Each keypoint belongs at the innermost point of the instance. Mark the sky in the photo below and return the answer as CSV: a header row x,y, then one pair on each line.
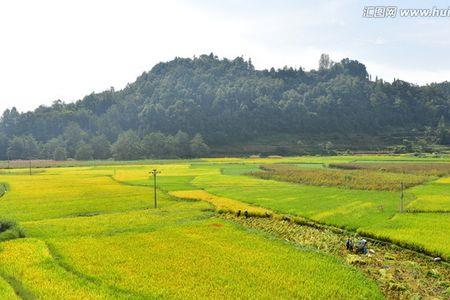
x,y
60,49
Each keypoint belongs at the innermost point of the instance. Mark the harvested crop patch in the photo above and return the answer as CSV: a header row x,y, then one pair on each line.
x,y
354,178
419,168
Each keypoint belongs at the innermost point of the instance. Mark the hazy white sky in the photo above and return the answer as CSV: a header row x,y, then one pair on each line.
x,y
54,49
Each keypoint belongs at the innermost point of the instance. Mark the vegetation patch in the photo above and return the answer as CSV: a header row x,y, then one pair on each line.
x,y
349,178
3,189
10,230
427,169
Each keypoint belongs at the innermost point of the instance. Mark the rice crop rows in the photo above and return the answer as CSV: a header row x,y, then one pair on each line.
x,y
420,168
353,179
91,233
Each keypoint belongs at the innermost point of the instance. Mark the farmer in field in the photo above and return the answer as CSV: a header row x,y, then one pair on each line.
x,y
361,246
349,244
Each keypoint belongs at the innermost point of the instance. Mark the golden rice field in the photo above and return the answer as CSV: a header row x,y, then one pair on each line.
x,y
88,236
221,203
91,232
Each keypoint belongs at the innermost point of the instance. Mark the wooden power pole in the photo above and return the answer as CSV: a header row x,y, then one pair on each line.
x,y
401,198
154,172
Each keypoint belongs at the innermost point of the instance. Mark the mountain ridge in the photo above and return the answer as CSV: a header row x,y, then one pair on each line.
x,y
230,102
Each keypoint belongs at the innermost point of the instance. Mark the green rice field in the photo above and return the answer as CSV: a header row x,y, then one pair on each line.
x,y
91,232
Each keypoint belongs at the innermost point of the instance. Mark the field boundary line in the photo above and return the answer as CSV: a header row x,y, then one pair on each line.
x,y
419,211
17,287
126,183
68,268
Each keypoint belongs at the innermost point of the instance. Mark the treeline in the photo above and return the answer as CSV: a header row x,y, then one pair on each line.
x,y
75,143
229,102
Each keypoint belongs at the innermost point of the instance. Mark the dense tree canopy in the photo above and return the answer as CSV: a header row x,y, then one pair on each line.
x,y
181,106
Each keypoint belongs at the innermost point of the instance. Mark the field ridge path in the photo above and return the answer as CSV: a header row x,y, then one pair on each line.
x,y
68,268
17,287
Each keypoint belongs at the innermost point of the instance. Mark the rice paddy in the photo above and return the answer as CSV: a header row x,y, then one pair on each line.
x,y
354,178
91,232
419,168
221,203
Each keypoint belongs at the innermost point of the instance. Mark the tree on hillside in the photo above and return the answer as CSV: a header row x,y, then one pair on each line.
x,y
198,146
442,132
3,146
31,147
23,147
127,147
48,149
9,121
60,154
181,145
325,62
154,145
16,148
73,135
101,147
84,152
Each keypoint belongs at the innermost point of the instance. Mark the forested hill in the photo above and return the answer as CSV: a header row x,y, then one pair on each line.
x,y
220,102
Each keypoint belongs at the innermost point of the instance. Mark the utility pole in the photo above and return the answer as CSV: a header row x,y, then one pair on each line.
x,y
401,198
30,166
154,173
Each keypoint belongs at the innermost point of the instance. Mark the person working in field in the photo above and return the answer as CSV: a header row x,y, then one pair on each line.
x,y
361,246
349,244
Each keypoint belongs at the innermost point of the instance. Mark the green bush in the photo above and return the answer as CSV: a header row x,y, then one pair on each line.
x,y
10,230
3,189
